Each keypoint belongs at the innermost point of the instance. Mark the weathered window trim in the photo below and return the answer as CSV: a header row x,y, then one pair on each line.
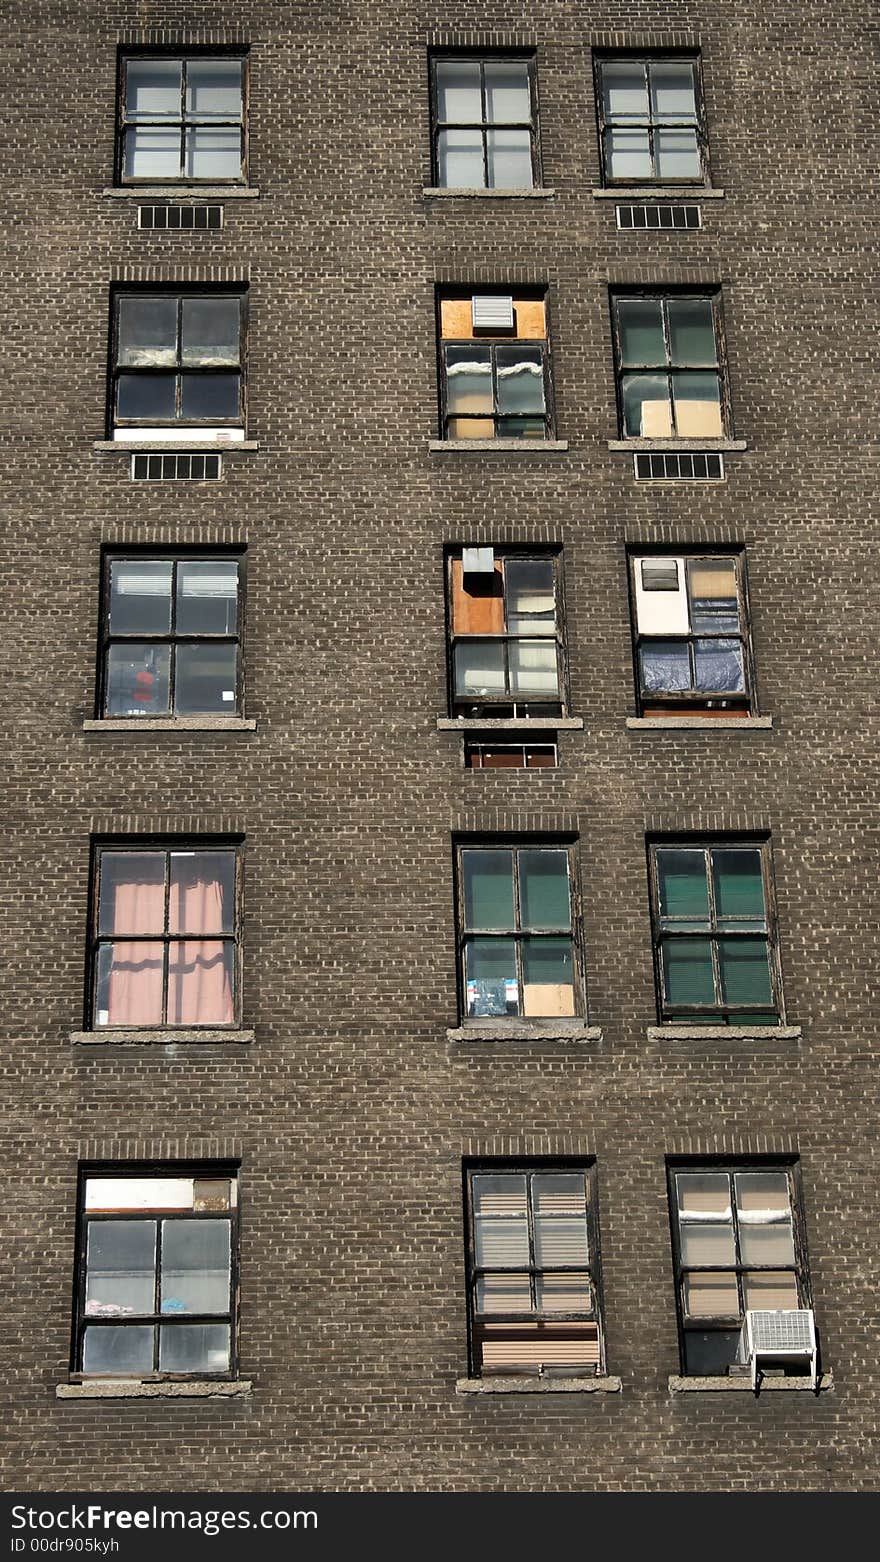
x,y
674,441
540,713
499,441
184,182
212,429
646,58
481,56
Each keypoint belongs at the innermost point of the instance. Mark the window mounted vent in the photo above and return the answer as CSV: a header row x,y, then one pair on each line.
x,y
780,1335
165,468
490,312
705,466
659,217
180,217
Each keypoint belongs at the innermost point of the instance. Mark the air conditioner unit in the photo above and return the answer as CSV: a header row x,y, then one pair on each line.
x,y
782,1335
492,312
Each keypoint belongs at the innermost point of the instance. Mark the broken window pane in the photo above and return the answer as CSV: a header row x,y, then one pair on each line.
x,y
530,596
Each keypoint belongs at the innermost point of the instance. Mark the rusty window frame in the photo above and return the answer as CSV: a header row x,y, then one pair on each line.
x,y
482,58
694,700
178,368
485,339
185,56
626,57
145,1170
670,366
547,709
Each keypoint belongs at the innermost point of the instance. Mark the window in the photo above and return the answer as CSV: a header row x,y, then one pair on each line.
x,y
181,120
177,365
156,1275
488,755
651,125
738,1246
505,633
517,932
165,935
484,115
534,1296
494,367
170,635
670,383
714,936
692,648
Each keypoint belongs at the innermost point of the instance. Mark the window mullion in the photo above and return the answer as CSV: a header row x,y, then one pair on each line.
x,y
533,1272
166,939
517,919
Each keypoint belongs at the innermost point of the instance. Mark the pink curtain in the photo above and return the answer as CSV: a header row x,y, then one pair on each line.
x,y
200,969
134,991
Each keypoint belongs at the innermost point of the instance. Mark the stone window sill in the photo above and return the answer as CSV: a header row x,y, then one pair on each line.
x,y
743,1385
134,724
534,193
699,723
182,192
177,1036
510,724
178,447
498,447
719,442
659,192
134,1388
536,1385
525,1030
756,1033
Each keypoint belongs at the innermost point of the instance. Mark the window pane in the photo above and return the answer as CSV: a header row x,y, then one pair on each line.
x,y
520,374
745,971
137,680
210,330
147,333
543,889
647,413
530,597
707,1244
739,886
213,152
640,326
131,895
687,971
200,983
666,667
624,90
490,977
762,1196
766,1244
194,1347
152,89
677,153
501,1227
548,979
479,667
509,159
697,400
468,379
488,888
773,1290
718,667
711,1295
522,428
140,596
120,1268
118,1351
712,593
205,680
507,92
207,596
213,89
201,897
628,154
570,1293
459,95
129,984
681,880
703,1195
145,396
692,331
672,90
195,1266
152,152
460,159
210,395
560,1220
116,1193
533,668
503,1294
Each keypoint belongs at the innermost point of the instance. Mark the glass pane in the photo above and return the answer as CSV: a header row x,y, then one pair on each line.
x,y
697,399
488,888
131,897
504,1294
507,92
490,977
530,597
548,978
145,396
739,886
479,667
640,326
195,1266
707,1244
201,895
628,154
533,668
712,1294
207,596
560,1218
712,593
213,89
152,152
624,89
201,978
501,1227
205,680
509,159
672,90
718,667
681,879
459,94
762,1196
692,331
120,1268
647,413
116,1193
522,428
129,984
140,596
769,1244
460,160
152,89
687,971
677,154
468,379
147,333
703,1195
213,152
194,1347
210,395
137,680
114,1352
774,1290
543,889
570,1293
210,329
519,372
665,666
745,971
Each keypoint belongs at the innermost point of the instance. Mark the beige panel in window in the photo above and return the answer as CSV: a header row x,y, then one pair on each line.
x,y
711,1295
656,420
713,579
530,319
470,428
547,999
698,419
478,607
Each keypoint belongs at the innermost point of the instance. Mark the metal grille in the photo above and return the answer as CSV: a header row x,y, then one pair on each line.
x,y
673,465
163,468
782,1331
177,217
660,217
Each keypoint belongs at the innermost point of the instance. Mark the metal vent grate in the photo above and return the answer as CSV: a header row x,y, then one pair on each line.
x,y
782,1331
165,468
659,217
176,217
704,466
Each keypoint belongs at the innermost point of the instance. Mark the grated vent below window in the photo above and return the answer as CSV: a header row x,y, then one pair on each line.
x,y
659,217
178,217
163,468
685,465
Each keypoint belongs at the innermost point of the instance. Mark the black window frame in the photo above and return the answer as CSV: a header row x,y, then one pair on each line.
x,y
731,1165
494,341
530,1167
185,54
665,294
529,58
176,556
168,845
209,1171
694,701
647,58
720,1012
180,292
492,706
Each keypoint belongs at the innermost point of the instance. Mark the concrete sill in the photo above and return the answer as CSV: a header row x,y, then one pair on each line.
x,y
743,1385
699,723
757,1033
171,1037
177,447
719,443
657,192
498,447
152,724
535,1385
182,192
133,1388
539,193
510,724
525,1030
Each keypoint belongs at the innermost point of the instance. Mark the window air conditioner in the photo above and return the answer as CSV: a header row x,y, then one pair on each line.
x,y
781,1336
